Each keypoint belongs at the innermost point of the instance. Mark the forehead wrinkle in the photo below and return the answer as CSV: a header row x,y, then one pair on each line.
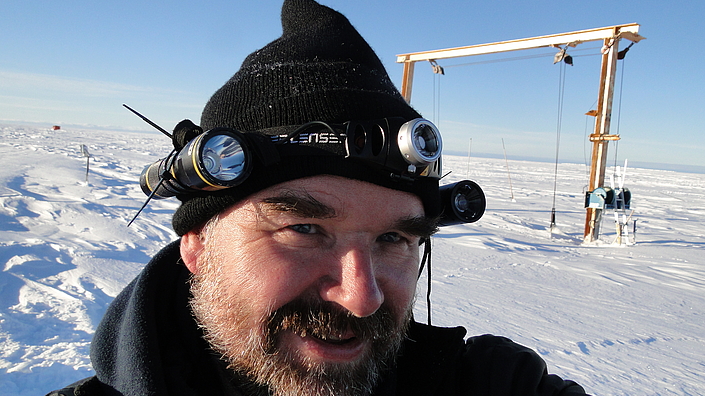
x,y
298,203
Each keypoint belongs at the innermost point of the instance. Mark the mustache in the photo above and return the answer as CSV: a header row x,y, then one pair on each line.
x,y
324,319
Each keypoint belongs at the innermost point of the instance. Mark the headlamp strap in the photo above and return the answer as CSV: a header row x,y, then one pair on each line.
x,y
265,151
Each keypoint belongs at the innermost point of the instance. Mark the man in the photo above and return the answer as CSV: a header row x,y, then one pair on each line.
x,y
301,220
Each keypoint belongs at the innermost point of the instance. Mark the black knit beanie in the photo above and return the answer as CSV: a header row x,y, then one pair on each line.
x,y
320,69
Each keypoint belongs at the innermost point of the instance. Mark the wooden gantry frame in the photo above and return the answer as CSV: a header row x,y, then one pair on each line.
x,y
610,36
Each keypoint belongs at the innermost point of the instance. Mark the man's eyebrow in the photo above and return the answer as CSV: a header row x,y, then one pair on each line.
x,y
421,226
299,204
303,205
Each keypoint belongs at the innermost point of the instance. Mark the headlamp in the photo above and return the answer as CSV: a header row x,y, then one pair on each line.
x,y
419,142
461,202
217,159
223,158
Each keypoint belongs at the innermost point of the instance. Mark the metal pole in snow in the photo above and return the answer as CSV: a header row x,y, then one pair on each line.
x,y
84,151
511,191
469,150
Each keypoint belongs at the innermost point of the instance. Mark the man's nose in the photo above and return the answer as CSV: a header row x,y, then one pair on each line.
x,y
353,284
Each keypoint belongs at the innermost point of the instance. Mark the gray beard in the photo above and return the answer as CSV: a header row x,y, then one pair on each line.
x,y
252,353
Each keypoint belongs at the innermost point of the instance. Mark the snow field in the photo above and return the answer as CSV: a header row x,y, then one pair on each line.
x,y
620,320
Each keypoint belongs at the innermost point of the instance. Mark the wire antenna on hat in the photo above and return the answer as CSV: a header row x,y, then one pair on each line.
x,y
147,120
163,176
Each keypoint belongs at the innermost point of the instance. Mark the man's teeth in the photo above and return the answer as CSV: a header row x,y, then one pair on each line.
x,y
331,338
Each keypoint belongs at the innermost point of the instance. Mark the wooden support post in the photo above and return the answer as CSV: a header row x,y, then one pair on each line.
x,y
602,136
407,80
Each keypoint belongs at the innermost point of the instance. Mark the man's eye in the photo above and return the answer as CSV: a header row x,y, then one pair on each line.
x,y
303,228
390,237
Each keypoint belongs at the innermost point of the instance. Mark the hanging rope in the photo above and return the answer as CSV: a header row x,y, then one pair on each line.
x,y
436,99
433,100
426,259
561,94
438,111
437,73
619,104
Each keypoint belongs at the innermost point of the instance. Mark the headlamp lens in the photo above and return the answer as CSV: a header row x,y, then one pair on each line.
x,y
216,159
223,158
420,142
462,202
426,141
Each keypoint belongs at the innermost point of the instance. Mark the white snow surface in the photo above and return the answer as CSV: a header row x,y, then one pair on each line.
x,y
619,320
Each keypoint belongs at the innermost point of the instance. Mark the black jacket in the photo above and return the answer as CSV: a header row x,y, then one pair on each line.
x,y
148,344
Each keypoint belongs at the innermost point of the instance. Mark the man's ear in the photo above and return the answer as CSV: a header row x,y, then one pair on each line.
x,y
191,248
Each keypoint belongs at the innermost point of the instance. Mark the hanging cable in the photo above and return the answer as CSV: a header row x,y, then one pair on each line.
x,y
433,100
438,113
619,104
561,92
437,71
437,94
436,98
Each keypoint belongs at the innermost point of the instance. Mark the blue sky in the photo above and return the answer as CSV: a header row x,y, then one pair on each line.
x,y
76,62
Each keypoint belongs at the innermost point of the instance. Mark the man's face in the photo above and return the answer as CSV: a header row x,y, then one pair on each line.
x,y
307,287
